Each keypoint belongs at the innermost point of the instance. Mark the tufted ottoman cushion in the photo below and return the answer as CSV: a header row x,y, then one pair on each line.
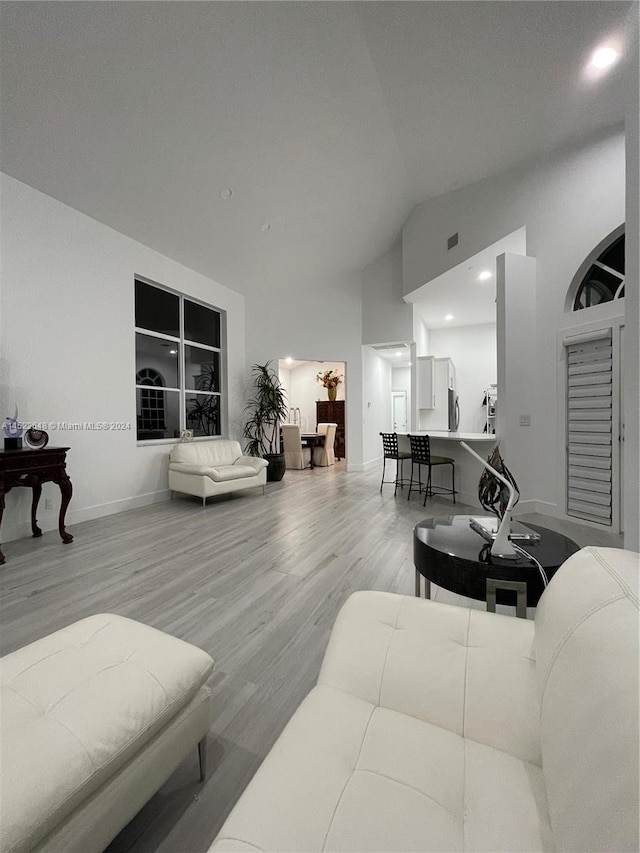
x,y
77,707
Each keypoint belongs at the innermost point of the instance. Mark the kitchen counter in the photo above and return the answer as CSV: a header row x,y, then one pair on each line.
x,y
453,436
468,469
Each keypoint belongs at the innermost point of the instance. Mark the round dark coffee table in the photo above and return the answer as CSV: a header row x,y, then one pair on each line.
x,y
449,553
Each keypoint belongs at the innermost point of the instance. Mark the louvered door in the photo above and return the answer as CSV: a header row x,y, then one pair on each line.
x,y
590,429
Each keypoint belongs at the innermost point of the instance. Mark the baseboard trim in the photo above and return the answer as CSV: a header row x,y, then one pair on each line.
x,y
22,529
363,467
542,507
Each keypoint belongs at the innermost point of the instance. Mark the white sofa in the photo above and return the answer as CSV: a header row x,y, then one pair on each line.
x,y
213,467
436,728
93,720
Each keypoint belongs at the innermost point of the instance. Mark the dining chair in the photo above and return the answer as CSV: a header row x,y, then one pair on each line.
x,y
321,429
390,451
295,455
324,456
421,455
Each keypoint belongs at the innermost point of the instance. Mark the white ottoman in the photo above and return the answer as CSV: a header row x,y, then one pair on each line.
x,y
94,720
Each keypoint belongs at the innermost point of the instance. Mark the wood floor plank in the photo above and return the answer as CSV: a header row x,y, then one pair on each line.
x,y
255,580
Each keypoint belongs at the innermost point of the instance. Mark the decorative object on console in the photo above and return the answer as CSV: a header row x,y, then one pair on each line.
x,y
13,432
266,410
330,380
36,438
494,498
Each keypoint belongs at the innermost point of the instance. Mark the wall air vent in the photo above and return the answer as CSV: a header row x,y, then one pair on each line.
x,y
390,347
452,241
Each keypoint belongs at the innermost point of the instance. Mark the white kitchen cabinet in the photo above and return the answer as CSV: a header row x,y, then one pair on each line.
x,y
425,375
444,380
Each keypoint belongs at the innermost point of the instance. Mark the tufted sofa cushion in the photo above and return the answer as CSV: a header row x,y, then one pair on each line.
x,y
421,735
588,665
208,453
437,728
76,706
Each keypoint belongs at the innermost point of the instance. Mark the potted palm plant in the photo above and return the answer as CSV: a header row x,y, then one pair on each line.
x,y
266,408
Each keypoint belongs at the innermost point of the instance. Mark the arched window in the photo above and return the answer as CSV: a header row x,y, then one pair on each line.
x,y
604,279
151,412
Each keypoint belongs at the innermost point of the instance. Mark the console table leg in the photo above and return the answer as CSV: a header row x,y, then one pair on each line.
x,y
35,499
66,490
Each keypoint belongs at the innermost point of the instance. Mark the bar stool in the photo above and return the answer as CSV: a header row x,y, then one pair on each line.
x,y
390,451
421,455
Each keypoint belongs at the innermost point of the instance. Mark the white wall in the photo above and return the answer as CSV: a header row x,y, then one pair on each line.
x,y
303,390
632,330
420,335
386,318
377,403
68,349
568,203
473,352
517,368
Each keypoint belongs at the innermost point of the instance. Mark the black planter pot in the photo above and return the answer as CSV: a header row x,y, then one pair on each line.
x,y
276,469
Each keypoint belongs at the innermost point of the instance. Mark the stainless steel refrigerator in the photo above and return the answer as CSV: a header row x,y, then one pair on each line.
x,y
454,411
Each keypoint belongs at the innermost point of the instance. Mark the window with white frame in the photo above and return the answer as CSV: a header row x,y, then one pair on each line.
x,y
604,280
178,364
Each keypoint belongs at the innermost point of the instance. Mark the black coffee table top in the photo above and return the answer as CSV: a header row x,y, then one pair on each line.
x,y
448,552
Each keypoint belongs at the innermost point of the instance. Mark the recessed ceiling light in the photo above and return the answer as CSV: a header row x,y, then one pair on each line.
x,y
289,360
449,317
484,275
604,57
265,226
398,354
226,193
173,352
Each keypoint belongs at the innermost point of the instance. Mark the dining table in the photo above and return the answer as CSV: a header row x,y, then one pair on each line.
x,y
313,439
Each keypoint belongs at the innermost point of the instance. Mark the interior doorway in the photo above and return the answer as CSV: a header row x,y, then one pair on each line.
x,y
308,400
399,411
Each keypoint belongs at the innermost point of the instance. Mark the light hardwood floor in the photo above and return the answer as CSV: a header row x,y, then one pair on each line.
x,y
255,580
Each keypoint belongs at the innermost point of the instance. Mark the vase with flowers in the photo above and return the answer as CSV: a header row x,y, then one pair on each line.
x,y
330,380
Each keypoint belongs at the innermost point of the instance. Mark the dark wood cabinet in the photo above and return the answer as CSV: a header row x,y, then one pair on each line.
x,y
332,412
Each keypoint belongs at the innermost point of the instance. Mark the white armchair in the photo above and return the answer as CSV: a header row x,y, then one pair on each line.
x,y
324,456
295,455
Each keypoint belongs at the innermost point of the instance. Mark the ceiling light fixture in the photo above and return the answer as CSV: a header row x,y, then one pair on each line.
x,y
226,193
289,360
604,57
398,354
449,317
484,275
265,226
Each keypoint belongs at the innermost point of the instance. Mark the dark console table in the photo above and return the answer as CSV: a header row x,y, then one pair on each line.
x,y
33,468
449,553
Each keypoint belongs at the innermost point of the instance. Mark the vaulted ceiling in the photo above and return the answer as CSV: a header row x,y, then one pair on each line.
x,y
328,121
